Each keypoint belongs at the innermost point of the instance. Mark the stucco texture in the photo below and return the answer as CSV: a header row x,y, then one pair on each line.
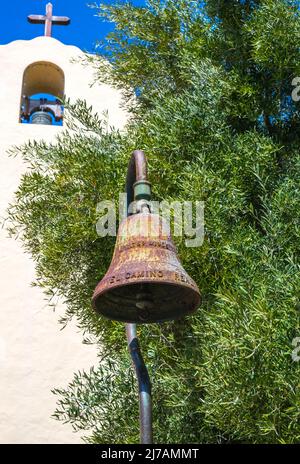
x,y
35,355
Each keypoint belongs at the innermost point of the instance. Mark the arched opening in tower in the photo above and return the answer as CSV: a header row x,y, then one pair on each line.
x,y
42,94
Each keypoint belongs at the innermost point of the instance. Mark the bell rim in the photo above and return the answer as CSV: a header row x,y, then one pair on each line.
x,y
174,316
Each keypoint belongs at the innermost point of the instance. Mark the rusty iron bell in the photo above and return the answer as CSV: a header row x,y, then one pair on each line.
x,y
145,281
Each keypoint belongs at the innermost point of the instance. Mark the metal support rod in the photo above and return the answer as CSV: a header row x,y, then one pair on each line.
x,y
137,174
144,385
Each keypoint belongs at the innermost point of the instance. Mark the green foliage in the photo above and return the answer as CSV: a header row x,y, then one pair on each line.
x,y
148,47
217,125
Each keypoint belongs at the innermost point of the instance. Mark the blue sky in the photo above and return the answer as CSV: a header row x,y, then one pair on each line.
x,y
85,28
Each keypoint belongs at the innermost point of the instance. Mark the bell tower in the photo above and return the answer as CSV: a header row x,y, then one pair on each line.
x,y
43,84
35,355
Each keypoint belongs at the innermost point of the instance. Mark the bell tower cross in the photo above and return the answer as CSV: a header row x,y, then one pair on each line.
x,y
48,19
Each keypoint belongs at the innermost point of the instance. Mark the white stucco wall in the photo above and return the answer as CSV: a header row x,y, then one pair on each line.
x,y
35,356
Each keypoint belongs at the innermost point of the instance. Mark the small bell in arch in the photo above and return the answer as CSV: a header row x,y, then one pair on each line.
x,y
41,117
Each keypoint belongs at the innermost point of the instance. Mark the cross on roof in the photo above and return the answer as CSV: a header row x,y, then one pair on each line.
x,y
49,19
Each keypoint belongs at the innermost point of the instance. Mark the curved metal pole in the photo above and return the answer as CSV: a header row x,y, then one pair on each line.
x,y
145,399
137,174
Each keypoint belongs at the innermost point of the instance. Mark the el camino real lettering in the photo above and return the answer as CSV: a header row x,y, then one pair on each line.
x,y
177,277
137,275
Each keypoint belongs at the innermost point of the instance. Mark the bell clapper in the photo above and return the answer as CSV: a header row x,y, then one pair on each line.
x,y
144,302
